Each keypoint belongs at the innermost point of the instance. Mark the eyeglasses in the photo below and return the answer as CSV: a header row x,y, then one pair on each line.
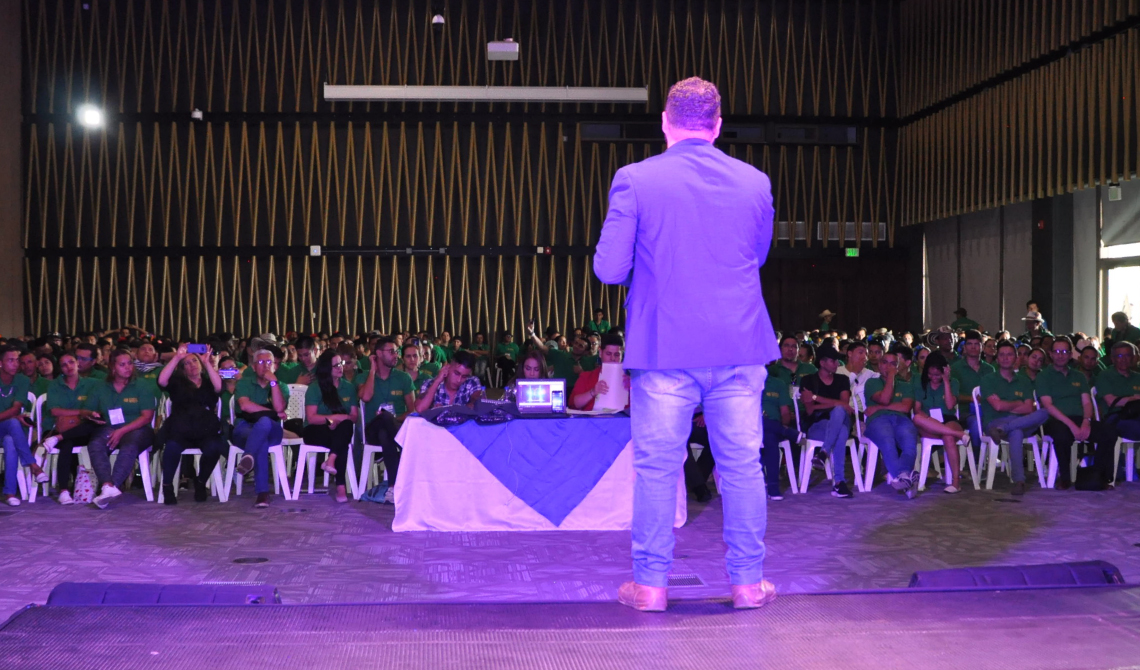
x,y
389,351
1126,355
263,362
339,364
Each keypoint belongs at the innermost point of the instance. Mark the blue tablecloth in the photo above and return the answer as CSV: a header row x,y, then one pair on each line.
x,y
550,464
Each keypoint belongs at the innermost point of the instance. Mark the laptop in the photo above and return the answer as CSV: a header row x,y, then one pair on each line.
x,y
541,398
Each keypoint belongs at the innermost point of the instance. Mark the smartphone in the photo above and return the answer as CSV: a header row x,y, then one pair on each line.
x,y
557,401
229,373
197,348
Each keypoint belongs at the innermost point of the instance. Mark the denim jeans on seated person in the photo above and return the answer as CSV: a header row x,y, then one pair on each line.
x,y
16,452
662,405
1017,427
255,439
130,446
833,432
897,440
774,433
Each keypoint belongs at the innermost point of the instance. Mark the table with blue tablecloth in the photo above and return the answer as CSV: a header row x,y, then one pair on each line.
x,y
525,474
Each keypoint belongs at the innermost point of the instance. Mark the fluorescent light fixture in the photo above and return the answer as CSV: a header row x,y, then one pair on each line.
x,y
89,116
335,93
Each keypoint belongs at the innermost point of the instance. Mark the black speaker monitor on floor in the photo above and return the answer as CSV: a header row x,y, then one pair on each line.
x,y
1087,573
110,593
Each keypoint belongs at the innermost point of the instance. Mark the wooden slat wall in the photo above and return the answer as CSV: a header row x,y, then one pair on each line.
x,y
153,187
1068,125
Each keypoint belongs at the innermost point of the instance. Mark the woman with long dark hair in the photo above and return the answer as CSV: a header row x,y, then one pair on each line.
x,y
331,410
532,366
124,407
938,393
193,422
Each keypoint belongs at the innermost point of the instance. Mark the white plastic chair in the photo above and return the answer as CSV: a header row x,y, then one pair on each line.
x,y
989,452
369,467
24,480
276,460
217,484
807,452
965,456
1128,446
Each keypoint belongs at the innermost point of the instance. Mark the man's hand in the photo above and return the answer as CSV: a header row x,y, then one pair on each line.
x,y
94,417
25,420
270,376
305,378
443,370
1083,431
994,401
282,415
601,389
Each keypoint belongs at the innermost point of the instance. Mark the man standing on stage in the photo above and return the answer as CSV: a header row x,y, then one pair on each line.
x,y
687,232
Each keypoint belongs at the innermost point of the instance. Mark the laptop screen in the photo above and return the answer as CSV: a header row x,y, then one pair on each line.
x,y
541,395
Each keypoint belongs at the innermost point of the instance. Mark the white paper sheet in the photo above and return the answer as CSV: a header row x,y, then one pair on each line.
x,y
616,396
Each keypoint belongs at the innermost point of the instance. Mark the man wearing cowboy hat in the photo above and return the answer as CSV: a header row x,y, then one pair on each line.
x,y
1034,326
827,315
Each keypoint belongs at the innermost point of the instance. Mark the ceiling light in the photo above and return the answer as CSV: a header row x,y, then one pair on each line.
x,y
89,116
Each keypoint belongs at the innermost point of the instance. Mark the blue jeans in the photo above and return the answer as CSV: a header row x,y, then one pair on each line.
x,y
15,440
255,439
1016,427
833,433
662,405
896,439
774,433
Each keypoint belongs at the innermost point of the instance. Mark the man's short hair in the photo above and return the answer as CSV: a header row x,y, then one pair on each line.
x,y
903,350
1119,316
6,348
265,350
381,341
1124,344
409,345
89,348
877,342
788,337
856,344
305,343
464,358
693,104
611,339
973,335
1005,343
1063,338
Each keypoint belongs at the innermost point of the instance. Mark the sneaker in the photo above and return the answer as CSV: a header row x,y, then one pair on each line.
x,y
900,483
777,496
817,462
951,489
41,476
12,500
390,496
65,498
911,493
328,467
109,493
262,501
841,490
244,465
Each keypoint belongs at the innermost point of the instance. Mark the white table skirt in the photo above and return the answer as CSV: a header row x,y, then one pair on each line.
x,y
442,487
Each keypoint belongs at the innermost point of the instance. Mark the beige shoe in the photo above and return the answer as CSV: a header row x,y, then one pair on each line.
x,y
643,598
751,596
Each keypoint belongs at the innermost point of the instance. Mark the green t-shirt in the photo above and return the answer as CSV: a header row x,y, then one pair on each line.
x,y
247,373
290,375
344,389
589,362
422,377
1064,389
96,373
1021,388
390,391
430,368
135,398
776,395
1110,382
965,324
600,328
503,349
62,396
562,366
790,378
442,354
903,389
935,398
19,389
967,378
249,388
1129,334
41,385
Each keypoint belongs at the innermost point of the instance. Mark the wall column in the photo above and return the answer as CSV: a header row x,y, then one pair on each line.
x,y
11,182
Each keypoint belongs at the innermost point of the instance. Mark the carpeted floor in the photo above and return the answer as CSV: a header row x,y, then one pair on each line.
x,y
321,552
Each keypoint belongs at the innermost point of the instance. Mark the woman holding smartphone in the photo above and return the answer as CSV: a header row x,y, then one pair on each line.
x,y
193,422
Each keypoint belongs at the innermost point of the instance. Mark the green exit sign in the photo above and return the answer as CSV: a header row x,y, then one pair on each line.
x,y
852,253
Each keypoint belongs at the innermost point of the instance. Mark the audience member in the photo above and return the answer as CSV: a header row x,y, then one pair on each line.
x,y
827,399
47,370
962,322
389,397
857,373
1064,394
935,412
968,371
305,371
63,415
890,398
1118,392
788,368
124,408
1008,412
454,385
259,407
1034,364
193,422
826,316
1089,362
590,385
599,325
1123,330
533,366
87,355
330,416
779,424
14,389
